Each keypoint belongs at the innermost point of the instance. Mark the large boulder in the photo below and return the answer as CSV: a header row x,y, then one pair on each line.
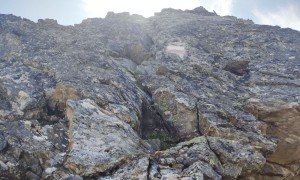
x,y
98,141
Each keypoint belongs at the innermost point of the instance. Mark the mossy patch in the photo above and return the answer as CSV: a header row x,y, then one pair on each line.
x,y
166,140
162,70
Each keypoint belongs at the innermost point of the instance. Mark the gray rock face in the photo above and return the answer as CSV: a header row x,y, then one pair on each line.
x,y
180,95
213,157
98,141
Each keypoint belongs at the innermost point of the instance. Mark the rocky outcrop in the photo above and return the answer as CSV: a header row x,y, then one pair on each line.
x,y
210,157
98,141
180,95
283,122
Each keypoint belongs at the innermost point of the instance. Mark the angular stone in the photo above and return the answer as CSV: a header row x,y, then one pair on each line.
x,y
179,112
275,169
234,156
136,169
98,140
283,122
199,169
214,157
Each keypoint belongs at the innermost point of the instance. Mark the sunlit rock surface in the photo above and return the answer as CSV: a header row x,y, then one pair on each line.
x,y
180,95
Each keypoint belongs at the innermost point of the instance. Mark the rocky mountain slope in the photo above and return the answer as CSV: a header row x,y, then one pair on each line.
x,y
180,95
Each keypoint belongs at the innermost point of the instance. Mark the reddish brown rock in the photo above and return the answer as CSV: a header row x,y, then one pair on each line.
x,y
283,119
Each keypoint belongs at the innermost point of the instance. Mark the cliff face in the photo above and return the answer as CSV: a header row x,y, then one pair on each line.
x,y
183,94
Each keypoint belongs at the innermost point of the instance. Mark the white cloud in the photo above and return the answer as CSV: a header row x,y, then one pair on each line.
x,y
99,8
287,16
222,7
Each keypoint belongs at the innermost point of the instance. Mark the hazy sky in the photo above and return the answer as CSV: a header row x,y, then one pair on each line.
x,y
285,13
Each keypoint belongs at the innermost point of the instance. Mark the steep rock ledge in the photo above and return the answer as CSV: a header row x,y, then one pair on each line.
x,y
182,94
